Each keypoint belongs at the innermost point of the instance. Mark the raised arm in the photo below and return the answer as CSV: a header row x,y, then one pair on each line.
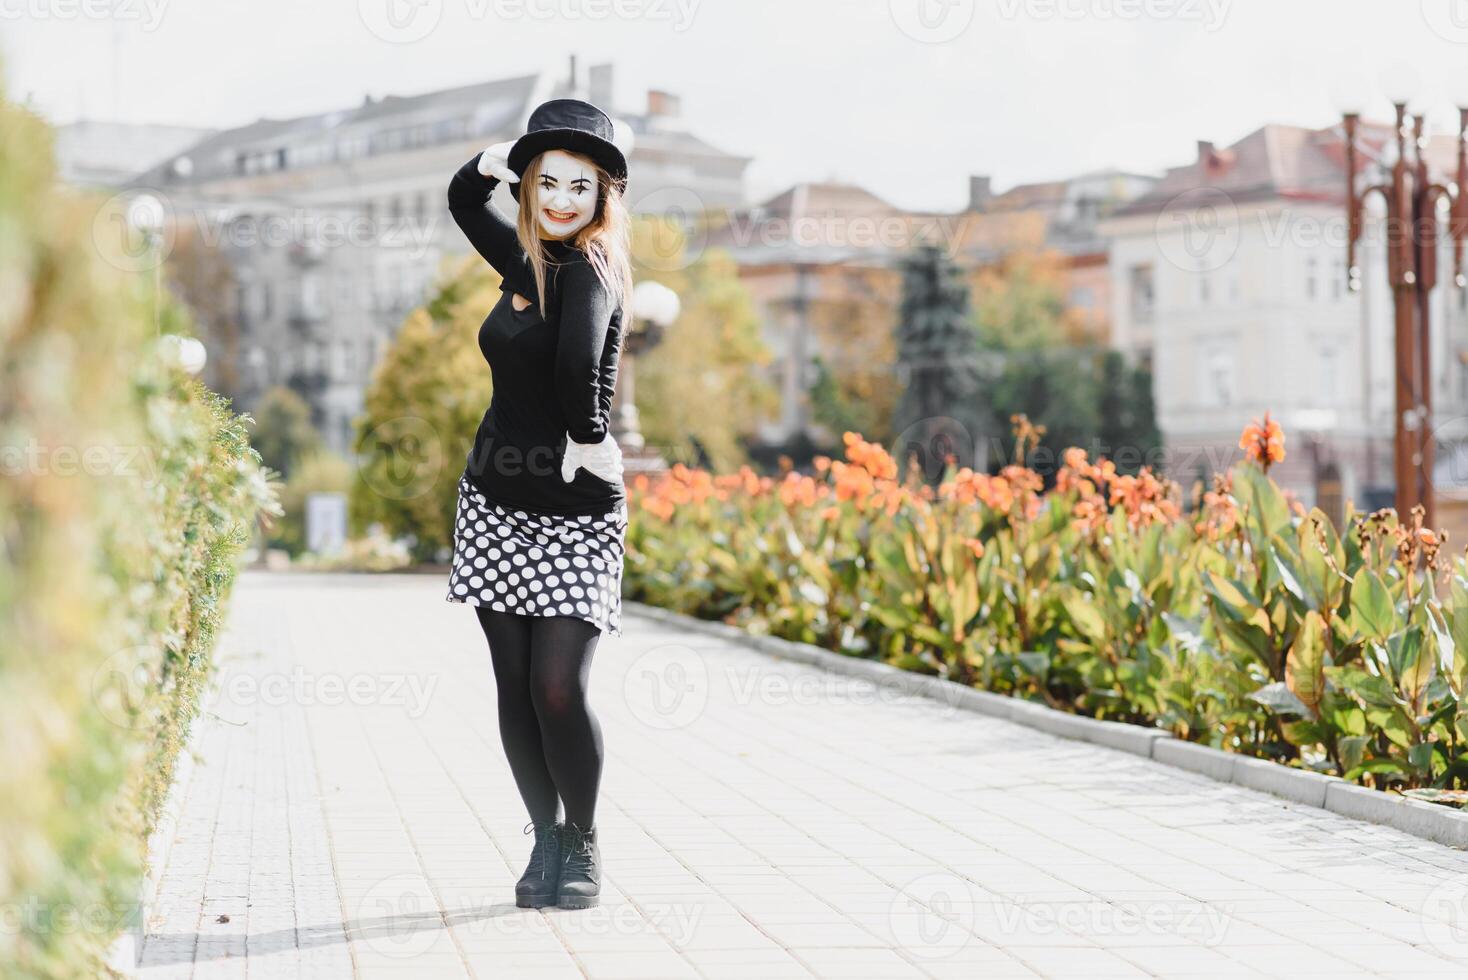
x,y
586,315
491,233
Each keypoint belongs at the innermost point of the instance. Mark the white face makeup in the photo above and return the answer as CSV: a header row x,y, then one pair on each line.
x,y
565,194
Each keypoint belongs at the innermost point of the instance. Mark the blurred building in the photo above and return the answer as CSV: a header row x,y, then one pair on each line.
x,y
351,203
820,258
813,249
104,155
1060,216
1229,278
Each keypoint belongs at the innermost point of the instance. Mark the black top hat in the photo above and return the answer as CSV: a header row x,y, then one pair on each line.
x,y
571,125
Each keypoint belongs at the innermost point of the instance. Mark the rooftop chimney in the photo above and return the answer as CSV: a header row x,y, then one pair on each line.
x,y
980,191
575,85
660,103
1212,160
599,86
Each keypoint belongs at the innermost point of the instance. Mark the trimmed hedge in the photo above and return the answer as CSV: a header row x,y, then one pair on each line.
x,y
128,490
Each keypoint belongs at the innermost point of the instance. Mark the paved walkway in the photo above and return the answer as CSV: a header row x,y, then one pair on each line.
x,y
353,815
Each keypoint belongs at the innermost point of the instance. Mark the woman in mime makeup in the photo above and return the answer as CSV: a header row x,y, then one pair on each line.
x,y
541,519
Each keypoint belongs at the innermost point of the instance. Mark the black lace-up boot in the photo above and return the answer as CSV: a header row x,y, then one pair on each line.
x,y
537,886
580,883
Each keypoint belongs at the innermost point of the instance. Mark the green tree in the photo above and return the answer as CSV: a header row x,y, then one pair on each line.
x,y
320,471
422,408
941,410
833,405
283,430
1019,304
1127,419
707,359
852,315
1050,369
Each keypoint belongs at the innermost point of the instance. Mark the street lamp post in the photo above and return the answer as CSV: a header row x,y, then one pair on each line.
x,y
1411,198
655,307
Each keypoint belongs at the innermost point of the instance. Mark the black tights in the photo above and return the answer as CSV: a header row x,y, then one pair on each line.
x,y
552,740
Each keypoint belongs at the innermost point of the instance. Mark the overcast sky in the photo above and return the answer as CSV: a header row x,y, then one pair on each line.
x,y
907,97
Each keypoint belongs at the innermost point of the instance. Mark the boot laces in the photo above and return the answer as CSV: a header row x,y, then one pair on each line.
x,y
579,856
547,846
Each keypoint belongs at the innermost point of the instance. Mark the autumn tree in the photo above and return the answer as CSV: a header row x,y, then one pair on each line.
x,y
700,387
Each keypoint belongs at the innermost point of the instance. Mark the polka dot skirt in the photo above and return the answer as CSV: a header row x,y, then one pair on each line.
x,y
538,564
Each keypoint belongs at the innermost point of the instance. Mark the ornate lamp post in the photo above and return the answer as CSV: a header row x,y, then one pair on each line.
x,y
145,215
1411,199
656,307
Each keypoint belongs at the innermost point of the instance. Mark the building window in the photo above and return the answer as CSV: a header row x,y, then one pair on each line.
x,y
1329,361
1141,293
1218,377
1338,279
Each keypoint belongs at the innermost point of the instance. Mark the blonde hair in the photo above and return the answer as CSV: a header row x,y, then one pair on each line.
x,y
606,240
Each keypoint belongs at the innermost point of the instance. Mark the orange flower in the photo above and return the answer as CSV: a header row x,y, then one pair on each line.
x,y
869,456
1263,442
1292,499
797,490
976,546
1220,515
1147,499
1075,473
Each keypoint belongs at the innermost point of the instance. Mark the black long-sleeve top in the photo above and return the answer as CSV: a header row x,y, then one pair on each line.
x,y
554,371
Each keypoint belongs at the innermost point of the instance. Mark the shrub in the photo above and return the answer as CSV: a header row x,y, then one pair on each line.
x,y
423,407
128,491
317,472
1251,625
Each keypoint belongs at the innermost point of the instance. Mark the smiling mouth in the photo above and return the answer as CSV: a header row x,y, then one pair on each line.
x,y
560,216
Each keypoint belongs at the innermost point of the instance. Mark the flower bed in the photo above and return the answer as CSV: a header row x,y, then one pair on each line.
x,y
1243,622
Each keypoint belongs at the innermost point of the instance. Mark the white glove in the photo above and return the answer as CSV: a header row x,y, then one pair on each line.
x,y
493,162
604,459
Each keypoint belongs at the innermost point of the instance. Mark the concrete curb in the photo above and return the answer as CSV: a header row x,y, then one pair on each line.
x,y
1427,820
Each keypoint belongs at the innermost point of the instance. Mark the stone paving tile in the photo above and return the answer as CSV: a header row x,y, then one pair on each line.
x,y
352,815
